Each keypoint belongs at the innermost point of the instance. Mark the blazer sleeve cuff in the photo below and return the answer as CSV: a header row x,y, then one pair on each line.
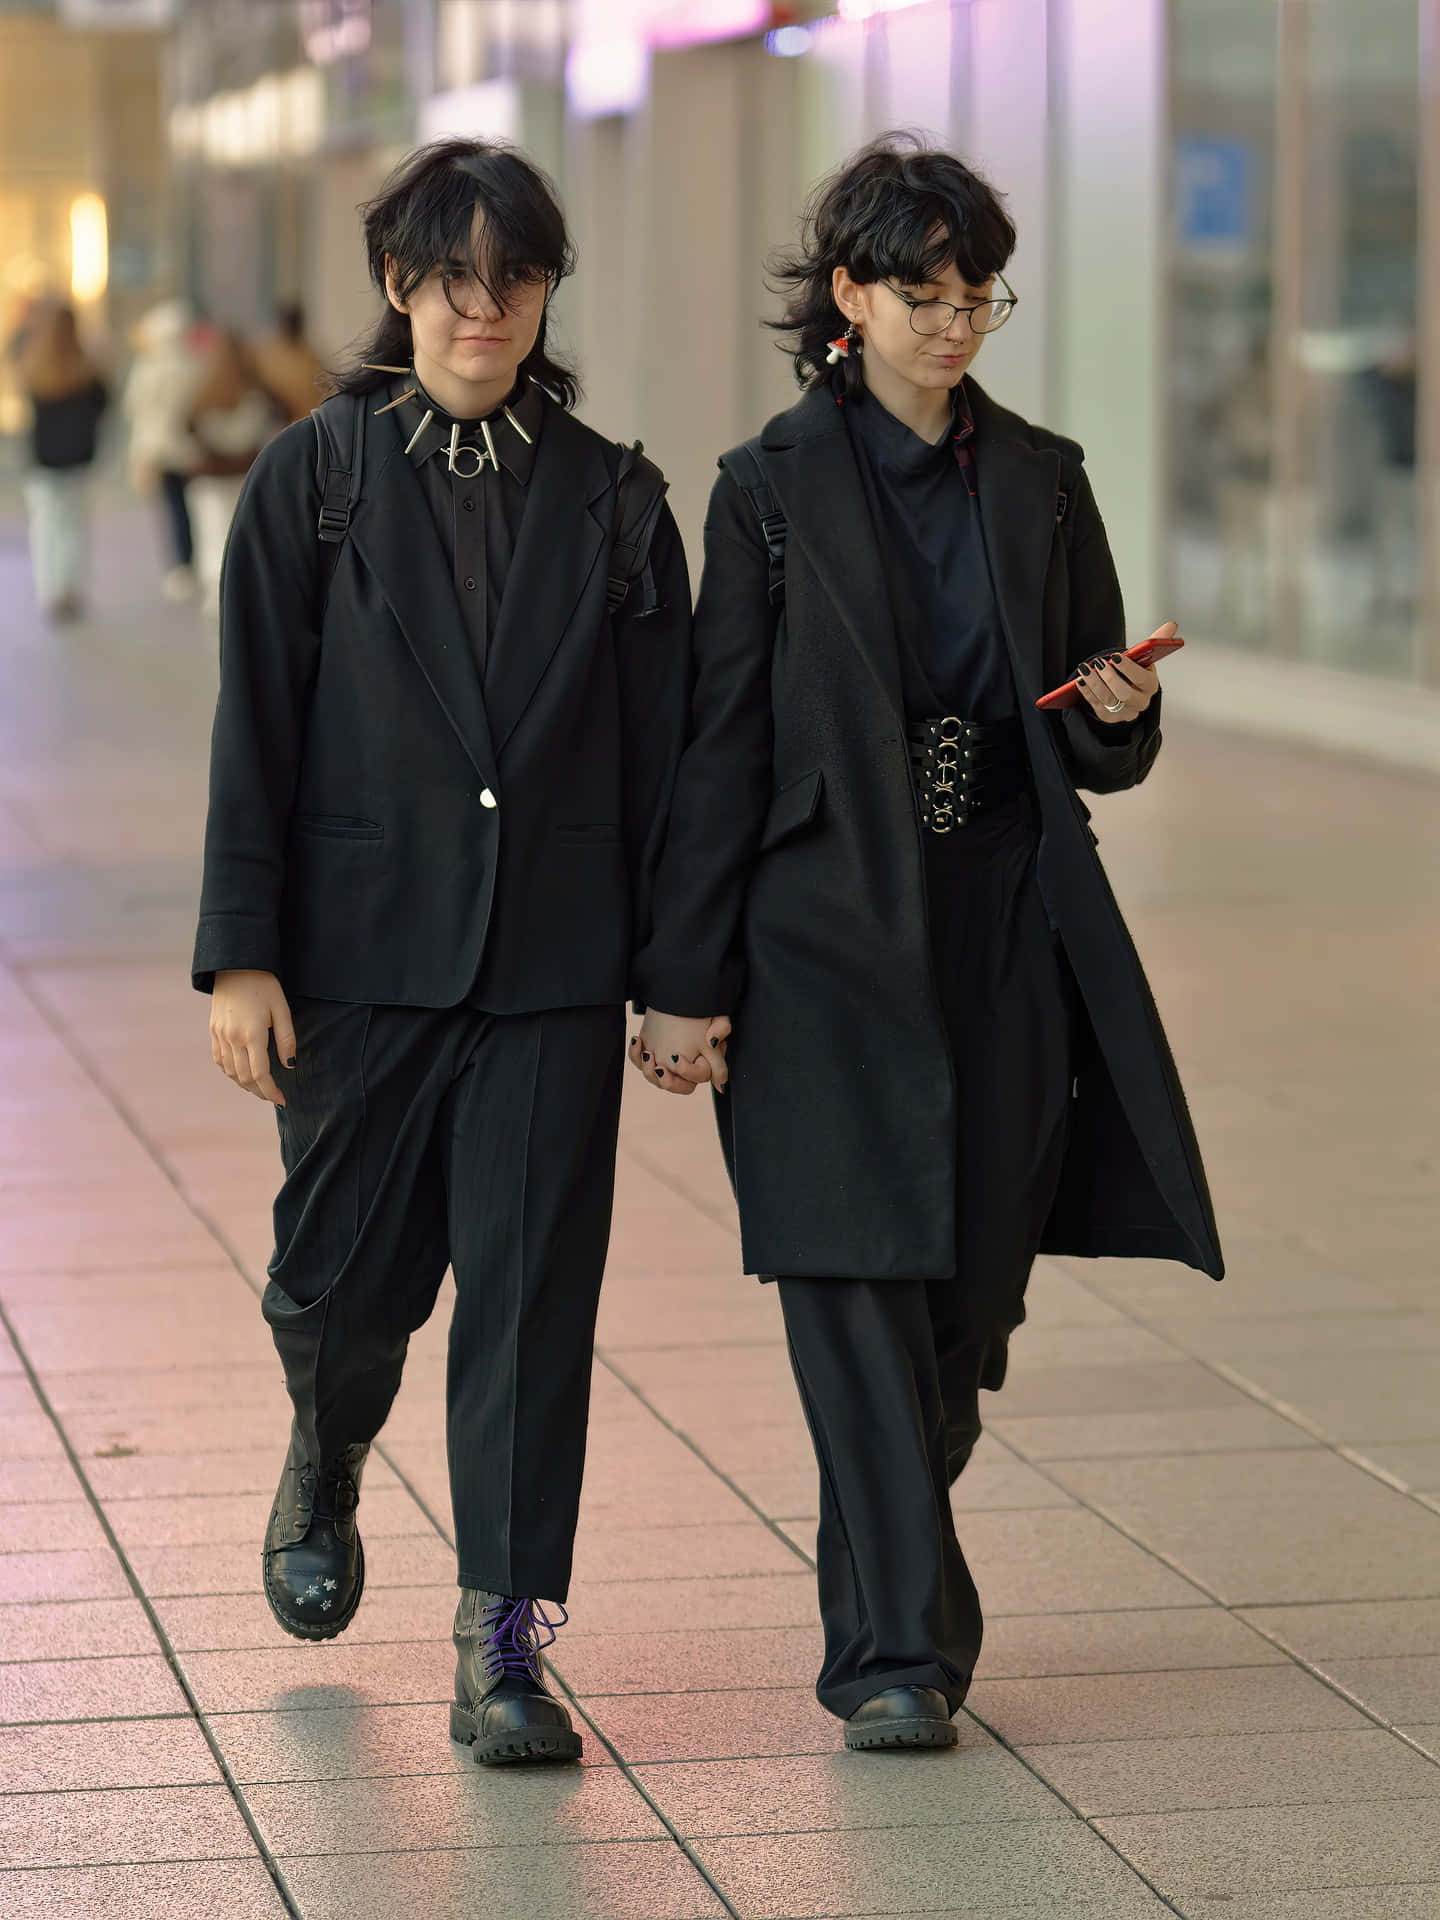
x,y
692,991
226,942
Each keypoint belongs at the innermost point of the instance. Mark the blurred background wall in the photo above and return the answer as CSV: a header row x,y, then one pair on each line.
x,y
1229,260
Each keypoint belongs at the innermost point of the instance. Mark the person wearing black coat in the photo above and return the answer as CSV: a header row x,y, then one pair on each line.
x,y
455,664
945,1058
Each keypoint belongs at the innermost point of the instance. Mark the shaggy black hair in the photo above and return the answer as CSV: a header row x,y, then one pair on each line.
x,y
897,210
422,218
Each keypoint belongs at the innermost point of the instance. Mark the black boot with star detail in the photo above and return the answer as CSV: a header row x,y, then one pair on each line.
x,y
314,1562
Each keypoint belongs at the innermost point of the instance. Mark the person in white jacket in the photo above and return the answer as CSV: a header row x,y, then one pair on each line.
x,y
158,396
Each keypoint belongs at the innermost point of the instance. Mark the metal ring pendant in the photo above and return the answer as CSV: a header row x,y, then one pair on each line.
x,y
464,447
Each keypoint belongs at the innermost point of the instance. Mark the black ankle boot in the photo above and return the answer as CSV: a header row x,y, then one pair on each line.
x,y
502,1707
314,1562
901,1717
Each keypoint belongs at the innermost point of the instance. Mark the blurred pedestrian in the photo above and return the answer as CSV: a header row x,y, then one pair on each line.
x,y
166,370
67,396
289,366
232,415
945,1055
454,669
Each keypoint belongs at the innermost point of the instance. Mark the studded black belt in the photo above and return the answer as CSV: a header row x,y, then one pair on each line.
x,y
960,768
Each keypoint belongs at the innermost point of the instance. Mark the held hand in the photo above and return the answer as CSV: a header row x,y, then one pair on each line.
x,y
1119,689
245,1008
676,1054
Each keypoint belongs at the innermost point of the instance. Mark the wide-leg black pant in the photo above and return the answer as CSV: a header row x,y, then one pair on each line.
x,y
416,1139
890,1371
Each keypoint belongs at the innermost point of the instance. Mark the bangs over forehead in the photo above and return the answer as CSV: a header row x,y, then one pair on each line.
x,y
518,237
914,230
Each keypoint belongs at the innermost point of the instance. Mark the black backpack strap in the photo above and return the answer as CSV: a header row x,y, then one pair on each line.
x,y
640,490
339,463
1070,463
744,463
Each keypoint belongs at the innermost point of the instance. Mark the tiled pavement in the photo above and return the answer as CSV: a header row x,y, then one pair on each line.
x,y
1206,1521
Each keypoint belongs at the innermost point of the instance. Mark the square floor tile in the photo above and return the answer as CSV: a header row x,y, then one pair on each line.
x,y
1269,1527
1253,1850
114,1753
334,1673
121,1688
689,1662
1050,1869
140,1823
625,1880
484,1807
1031,1645
193,1890
974,1785
75,1630
1236,1770
1128,1706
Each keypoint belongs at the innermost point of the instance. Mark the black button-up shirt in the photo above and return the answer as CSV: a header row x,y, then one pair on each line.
x,y
477,510
922,497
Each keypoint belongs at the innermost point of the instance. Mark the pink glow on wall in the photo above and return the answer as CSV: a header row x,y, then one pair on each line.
x,y
867,9
694,23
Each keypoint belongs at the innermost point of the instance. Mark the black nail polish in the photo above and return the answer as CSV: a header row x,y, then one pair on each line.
x,y
659,1073
644,1056
674,1059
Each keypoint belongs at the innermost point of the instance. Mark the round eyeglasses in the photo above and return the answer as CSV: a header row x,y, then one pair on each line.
x,y
938,316
466,292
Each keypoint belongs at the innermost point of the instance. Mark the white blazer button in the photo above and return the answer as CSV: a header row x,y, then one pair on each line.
x,y
487,799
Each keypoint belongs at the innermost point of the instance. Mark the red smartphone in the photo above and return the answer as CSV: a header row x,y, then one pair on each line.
x,y
1145,655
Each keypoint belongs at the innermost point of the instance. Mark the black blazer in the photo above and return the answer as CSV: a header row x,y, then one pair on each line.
x,y
792,890
352,846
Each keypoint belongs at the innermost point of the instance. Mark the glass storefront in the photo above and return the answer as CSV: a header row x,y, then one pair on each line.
x,y
1295,344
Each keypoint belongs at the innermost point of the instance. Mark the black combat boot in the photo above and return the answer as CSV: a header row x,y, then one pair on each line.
x,y
901,1717
313,1560
502,1707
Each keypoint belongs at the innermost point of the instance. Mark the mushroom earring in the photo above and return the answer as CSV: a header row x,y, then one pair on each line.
x,y
840,349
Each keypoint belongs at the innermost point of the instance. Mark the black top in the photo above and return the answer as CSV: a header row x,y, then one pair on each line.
x,y
952,647
477,510
66,429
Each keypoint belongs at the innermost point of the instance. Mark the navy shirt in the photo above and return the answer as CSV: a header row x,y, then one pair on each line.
x,y
953,658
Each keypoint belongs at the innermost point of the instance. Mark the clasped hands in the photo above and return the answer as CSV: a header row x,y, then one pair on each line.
x,y
677,1055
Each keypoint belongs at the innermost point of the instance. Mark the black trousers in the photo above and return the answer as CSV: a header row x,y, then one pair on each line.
x,y
177,519
890,1371
414,1140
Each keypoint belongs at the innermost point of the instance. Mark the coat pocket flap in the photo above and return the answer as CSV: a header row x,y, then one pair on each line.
x,y
792,808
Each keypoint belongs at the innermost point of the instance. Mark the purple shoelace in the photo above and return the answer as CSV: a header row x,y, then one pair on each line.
x,y
513,1637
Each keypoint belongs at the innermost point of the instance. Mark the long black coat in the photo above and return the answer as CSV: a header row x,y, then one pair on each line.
x,y
792,887
352,845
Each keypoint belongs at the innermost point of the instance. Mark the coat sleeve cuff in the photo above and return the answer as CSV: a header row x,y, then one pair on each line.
x,y
227,942
690,992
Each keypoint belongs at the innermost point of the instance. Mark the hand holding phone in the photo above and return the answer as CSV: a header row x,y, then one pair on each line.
x,y
1145,654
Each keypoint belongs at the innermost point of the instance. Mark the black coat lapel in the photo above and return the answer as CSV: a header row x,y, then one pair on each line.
x,y
562,535
812,467
1019,488
397,540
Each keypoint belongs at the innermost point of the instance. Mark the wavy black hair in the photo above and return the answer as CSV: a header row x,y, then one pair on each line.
x,y
423,217
896,210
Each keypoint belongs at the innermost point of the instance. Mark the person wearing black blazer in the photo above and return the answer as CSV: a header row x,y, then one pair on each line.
x,y
945,1056
455,664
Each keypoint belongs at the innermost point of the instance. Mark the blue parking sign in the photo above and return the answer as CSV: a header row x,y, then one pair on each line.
x,y
1214,190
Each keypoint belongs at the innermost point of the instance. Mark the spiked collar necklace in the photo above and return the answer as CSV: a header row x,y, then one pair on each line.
x,y
504,437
